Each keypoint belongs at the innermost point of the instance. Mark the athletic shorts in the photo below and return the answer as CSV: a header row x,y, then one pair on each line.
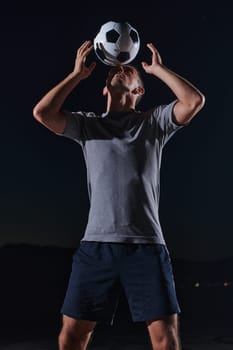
x,y
101,271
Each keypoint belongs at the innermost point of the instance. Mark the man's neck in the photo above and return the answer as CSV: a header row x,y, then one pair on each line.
x,y
119,102
120,106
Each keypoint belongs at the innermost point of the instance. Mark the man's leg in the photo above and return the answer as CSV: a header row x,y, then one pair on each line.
x,y
75,334
164,333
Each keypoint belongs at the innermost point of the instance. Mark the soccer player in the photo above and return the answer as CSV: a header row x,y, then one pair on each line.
x,y
123,246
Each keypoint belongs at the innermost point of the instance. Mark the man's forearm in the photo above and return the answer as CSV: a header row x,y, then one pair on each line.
x,y
52,102
183,89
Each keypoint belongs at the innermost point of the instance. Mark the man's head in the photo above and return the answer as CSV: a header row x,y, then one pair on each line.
x,y
124,79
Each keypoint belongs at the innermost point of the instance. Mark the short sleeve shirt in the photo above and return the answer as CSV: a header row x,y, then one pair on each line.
x,y
122,152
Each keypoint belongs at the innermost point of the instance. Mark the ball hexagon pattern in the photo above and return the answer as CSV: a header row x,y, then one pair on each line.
x,y
116,43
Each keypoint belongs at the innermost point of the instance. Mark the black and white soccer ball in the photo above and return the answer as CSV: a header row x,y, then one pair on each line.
x,y
116,43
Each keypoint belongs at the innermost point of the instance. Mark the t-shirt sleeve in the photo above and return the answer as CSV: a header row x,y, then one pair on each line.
x,y
74,126
166,124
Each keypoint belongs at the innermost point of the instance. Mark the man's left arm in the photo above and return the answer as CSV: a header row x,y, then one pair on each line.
x,y
190,99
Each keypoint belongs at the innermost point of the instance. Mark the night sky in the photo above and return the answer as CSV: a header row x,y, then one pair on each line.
x,y
44,197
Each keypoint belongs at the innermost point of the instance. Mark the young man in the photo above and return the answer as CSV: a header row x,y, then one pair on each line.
x,y
123,244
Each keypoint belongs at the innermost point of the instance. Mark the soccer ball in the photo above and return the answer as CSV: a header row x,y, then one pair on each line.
x,y
116,43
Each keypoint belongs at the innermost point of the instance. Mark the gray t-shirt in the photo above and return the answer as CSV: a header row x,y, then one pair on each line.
x,y
122,152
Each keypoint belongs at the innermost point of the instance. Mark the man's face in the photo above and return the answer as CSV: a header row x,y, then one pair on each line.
x,y
122,76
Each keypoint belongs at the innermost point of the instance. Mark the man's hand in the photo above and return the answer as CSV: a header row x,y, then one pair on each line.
x,y
80,68
190,99
155,61
48,110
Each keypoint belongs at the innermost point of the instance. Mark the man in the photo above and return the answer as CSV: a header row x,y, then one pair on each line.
x,y
123,244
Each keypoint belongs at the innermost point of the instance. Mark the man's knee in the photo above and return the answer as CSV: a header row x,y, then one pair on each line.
x,y
164,333
75,333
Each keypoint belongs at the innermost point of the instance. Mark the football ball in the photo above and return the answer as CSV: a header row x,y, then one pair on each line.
x,y
116,43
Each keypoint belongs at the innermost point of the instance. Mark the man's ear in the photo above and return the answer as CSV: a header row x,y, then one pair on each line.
x,y
138,90
105,91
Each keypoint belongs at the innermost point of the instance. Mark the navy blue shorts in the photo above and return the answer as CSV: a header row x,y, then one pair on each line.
x,y
101,271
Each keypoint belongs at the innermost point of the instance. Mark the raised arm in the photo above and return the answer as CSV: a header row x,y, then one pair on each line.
x,y
190,99
48,111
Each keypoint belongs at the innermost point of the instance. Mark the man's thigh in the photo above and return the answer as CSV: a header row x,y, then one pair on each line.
x,y
148,282
93,290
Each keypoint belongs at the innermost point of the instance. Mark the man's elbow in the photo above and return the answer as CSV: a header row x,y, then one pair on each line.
x,y
196,105
198,102
201,100
184,112
38,113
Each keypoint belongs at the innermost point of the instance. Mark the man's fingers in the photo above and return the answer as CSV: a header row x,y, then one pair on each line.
x,y
84,46
144,64
152,47
81,47
92,66
88,49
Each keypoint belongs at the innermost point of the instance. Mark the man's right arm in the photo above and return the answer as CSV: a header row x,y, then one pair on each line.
x,y
48,111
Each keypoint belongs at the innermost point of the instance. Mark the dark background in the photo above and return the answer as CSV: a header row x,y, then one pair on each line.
x,y
44,202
